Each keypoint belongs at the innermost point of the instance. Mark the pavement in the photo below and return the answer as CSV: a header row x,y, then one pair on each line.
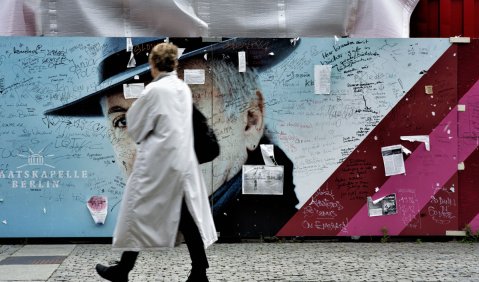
x,y
254,261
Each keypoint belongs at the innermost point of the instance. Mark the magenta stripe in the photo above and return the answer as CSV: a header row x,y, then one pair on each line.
x,y
426,171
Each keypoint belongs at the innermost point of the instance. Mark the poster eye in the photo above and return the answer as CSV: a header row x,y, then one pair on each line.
x,y
120,122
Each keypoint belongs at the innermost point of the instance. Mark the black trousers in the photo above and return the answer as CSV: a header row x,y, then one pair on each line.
x,y
192,238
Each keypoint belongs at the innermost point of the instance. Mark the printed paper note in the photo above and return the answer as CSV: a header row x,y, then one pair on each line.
x,y
322,79
194,76
393,160
133,90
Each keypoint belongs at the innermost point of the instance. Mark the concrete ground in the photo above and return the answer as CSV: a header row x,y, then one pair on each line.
x,y
279,261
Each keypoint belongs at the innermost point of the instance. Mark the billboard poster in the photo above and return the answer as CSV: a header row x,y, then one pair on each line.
x,y
316,100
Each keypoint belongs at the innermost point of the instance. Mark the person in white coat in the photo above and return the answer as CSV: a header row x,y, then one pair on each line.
x,y
165,192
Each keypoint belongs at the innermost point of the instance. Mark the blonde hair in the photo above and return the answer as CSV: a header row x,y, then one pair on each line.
x,y
164,57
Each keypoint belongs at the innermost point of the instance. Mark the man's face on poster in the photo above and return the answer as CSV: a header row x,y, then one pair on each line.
x,y
237,133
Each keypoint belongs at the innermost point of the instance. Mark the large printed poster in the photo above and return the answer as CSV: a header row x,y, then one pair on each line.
x,y
64,141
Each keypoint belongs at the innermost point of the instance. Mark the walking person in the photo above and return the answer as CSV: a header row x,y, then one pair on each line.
x,y
165,192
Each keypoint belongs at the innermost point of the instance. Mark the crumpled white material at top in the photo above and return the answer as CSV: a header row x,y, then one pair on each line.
x,y
383,18
207,18
16,18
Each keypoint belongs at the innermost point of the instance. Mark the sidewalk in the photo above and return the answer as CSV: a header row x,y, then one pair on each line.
x,y
307,261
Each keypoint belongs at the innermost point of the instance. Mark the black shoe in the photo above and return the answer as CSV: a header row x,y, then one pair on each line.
x,y
197,276
112,273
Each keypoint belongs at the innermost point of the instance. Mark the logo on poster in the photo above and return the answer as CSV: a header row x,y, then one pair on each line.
x,y
41,174
35,159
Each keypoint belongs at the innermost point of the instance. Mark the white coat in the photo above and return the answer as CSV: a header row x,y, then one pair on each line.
x,y
164,172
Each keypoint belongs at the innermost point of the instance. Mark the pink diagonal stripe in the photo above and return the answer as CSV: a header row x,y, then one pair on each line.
x,y
475,223
426,172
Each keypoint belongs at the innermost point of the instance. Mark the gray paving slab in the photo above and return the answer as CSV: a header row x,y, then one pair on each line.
x,y
27,272
308,261
8,250
45,250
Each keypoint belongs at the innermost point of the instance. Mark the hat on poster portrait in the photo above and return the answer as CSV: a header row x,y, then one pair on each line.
x,y
115,68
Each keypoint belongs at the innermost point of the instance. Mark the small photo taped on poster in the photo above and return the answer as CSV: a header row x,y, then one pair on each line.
x,y
382,206
263,180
